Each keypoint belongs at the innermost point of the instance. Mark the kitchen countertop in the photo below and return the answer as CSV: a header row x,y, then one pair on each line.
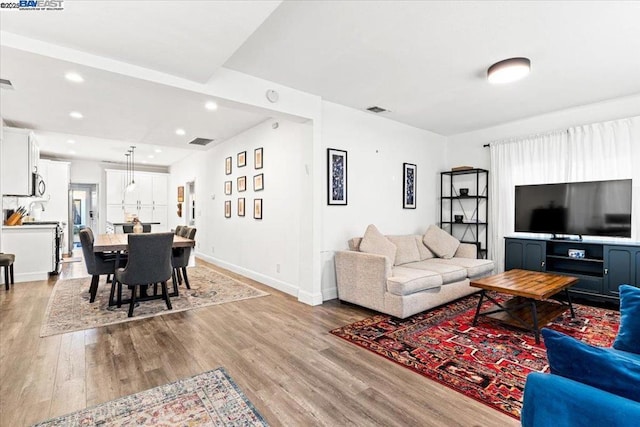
x,y
27,227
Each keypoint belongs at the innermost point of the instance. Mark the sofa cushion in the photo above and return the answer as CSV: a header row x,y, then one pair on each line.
x,y
475,267
614,371
628,338
440,242
424,251
373,242
449,273
405,281
407,250
354,243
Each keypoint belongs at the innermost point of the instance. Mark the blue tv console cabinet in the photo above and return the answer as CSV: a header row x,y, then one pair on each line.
x,y
605,266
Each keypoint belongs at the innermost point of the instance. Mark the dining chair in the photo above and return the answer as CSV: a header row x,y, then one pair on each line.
x,y
179,230
180,260
97,263
149,262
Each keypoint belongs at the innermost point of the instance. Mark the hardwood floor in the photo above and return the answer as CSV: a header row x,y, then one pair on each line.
x,y
277,350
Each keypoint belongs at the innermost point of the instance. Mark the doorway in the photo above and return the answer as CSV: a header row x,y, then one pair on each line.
x,y
191,203
83,210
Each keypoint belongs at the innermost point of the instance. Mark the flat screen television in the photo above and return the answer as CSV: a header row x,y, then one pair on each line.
x,y
594,208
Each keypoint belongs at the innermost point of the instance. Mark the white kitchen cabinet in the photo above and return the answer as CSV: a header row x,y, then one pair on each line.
x,y
160,189
148,200
34,248
20,156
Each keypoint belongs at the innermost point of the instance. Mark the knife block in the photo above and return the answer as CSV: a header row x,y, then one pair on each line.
x,y
14,219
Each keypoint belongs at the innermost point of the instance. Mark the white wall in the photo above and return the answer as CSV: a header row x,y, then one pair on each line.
x,y
467,148
377,148
245,245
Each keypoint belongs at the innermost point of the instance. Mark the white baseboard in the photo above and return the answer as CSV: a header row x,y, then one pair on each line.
x,y
269,281
309,298
329,293
30,277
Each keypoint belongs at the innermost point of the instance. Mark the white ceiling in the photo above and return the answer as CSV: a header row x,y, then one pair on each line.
x,y
426,61
423,60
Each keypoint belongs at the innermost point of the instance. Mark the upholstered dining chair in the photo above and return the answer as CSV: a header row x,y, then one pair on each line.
x,y
180,260
149,262
97,263
178,230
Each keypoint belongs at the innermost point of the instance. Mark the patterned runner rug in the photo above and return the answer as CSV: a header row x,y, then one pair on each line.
x,y
69,308
488,362
211,399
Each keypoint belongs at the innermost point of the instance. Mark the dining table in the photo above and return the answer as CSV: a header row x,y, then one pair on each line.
x,y
119,243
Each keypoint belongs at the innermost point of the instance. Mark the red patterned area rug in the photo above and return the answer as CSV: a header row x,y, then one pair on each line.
x,y
208,399
488,362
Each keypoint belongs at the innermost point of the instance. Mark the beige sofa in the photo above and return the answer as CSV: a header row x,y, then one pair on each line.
x,y
410,279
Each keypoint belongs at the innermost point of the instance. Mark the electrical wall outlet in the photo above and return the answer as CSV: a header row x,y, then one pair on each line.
x,y
277,268
213,249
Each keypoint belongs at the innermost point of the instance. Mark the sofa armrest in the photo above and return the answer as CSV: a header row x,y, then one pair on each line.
x,y
561,402
362,278
467,250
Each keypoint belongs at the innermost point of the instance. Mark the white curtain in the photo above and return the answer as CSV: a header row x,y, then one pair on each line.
x,y
601,151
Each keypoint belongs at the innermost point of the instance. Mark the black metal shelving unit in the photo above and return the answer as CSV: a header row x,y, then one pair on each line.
x,y
474,206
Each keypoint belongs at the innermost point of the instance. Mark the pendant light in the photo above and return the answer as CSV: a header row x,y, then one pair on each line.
x,y
132,184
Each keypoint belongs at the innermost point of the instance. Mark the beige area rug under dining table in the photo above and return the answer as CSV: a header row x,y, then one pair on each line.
x,y
69,309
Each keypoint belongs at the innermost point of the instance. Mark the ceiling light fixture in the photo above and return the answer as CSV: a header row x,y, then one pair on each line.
x,y
76,115
130,162
157,150
150,156
70,141
72,152
180,132
74,77
211,105
508,70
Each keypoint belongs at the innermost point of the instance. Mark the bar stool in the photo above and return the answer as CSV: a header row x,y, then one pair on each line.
x,y
6,261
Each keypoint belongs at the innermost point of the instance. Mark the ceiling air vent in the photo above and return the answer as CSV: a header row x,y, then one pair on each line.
x,y
201,141
6,84
376,109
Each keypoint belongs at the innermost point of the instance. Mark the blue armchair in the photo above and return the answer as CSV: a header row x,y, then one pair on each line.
x,y
589,386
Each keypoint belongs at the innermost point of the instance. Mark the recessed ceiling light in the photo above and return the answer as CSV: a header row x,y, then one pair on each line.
x,y
72,152
144,161
74,77
70,141
211,105
150,156
180,132
76,115
509,70
157,150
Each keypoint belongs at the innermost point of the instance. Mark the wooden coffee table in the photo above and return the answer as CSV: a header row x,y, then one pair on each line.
x,y
530,307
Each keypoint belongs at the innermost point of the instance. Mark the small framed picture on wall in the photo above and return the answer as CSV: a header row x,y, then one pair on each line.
x,y
257,208
227,166
409,172
242,183
241,206
227,188
227,209
337,177
258,182
257,158
242,159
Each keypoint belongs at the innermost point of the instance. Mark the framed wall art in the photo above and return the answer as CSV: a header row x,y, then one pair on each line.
x,y
409,186
337,177
242,183
242,159
258,182
257,208
257,158
181,194
227,166
227,188
241,206
227,209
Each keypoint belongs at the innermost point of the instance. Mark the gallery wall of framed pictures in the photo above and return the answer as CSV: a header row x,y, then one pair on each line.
x,y
241,183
